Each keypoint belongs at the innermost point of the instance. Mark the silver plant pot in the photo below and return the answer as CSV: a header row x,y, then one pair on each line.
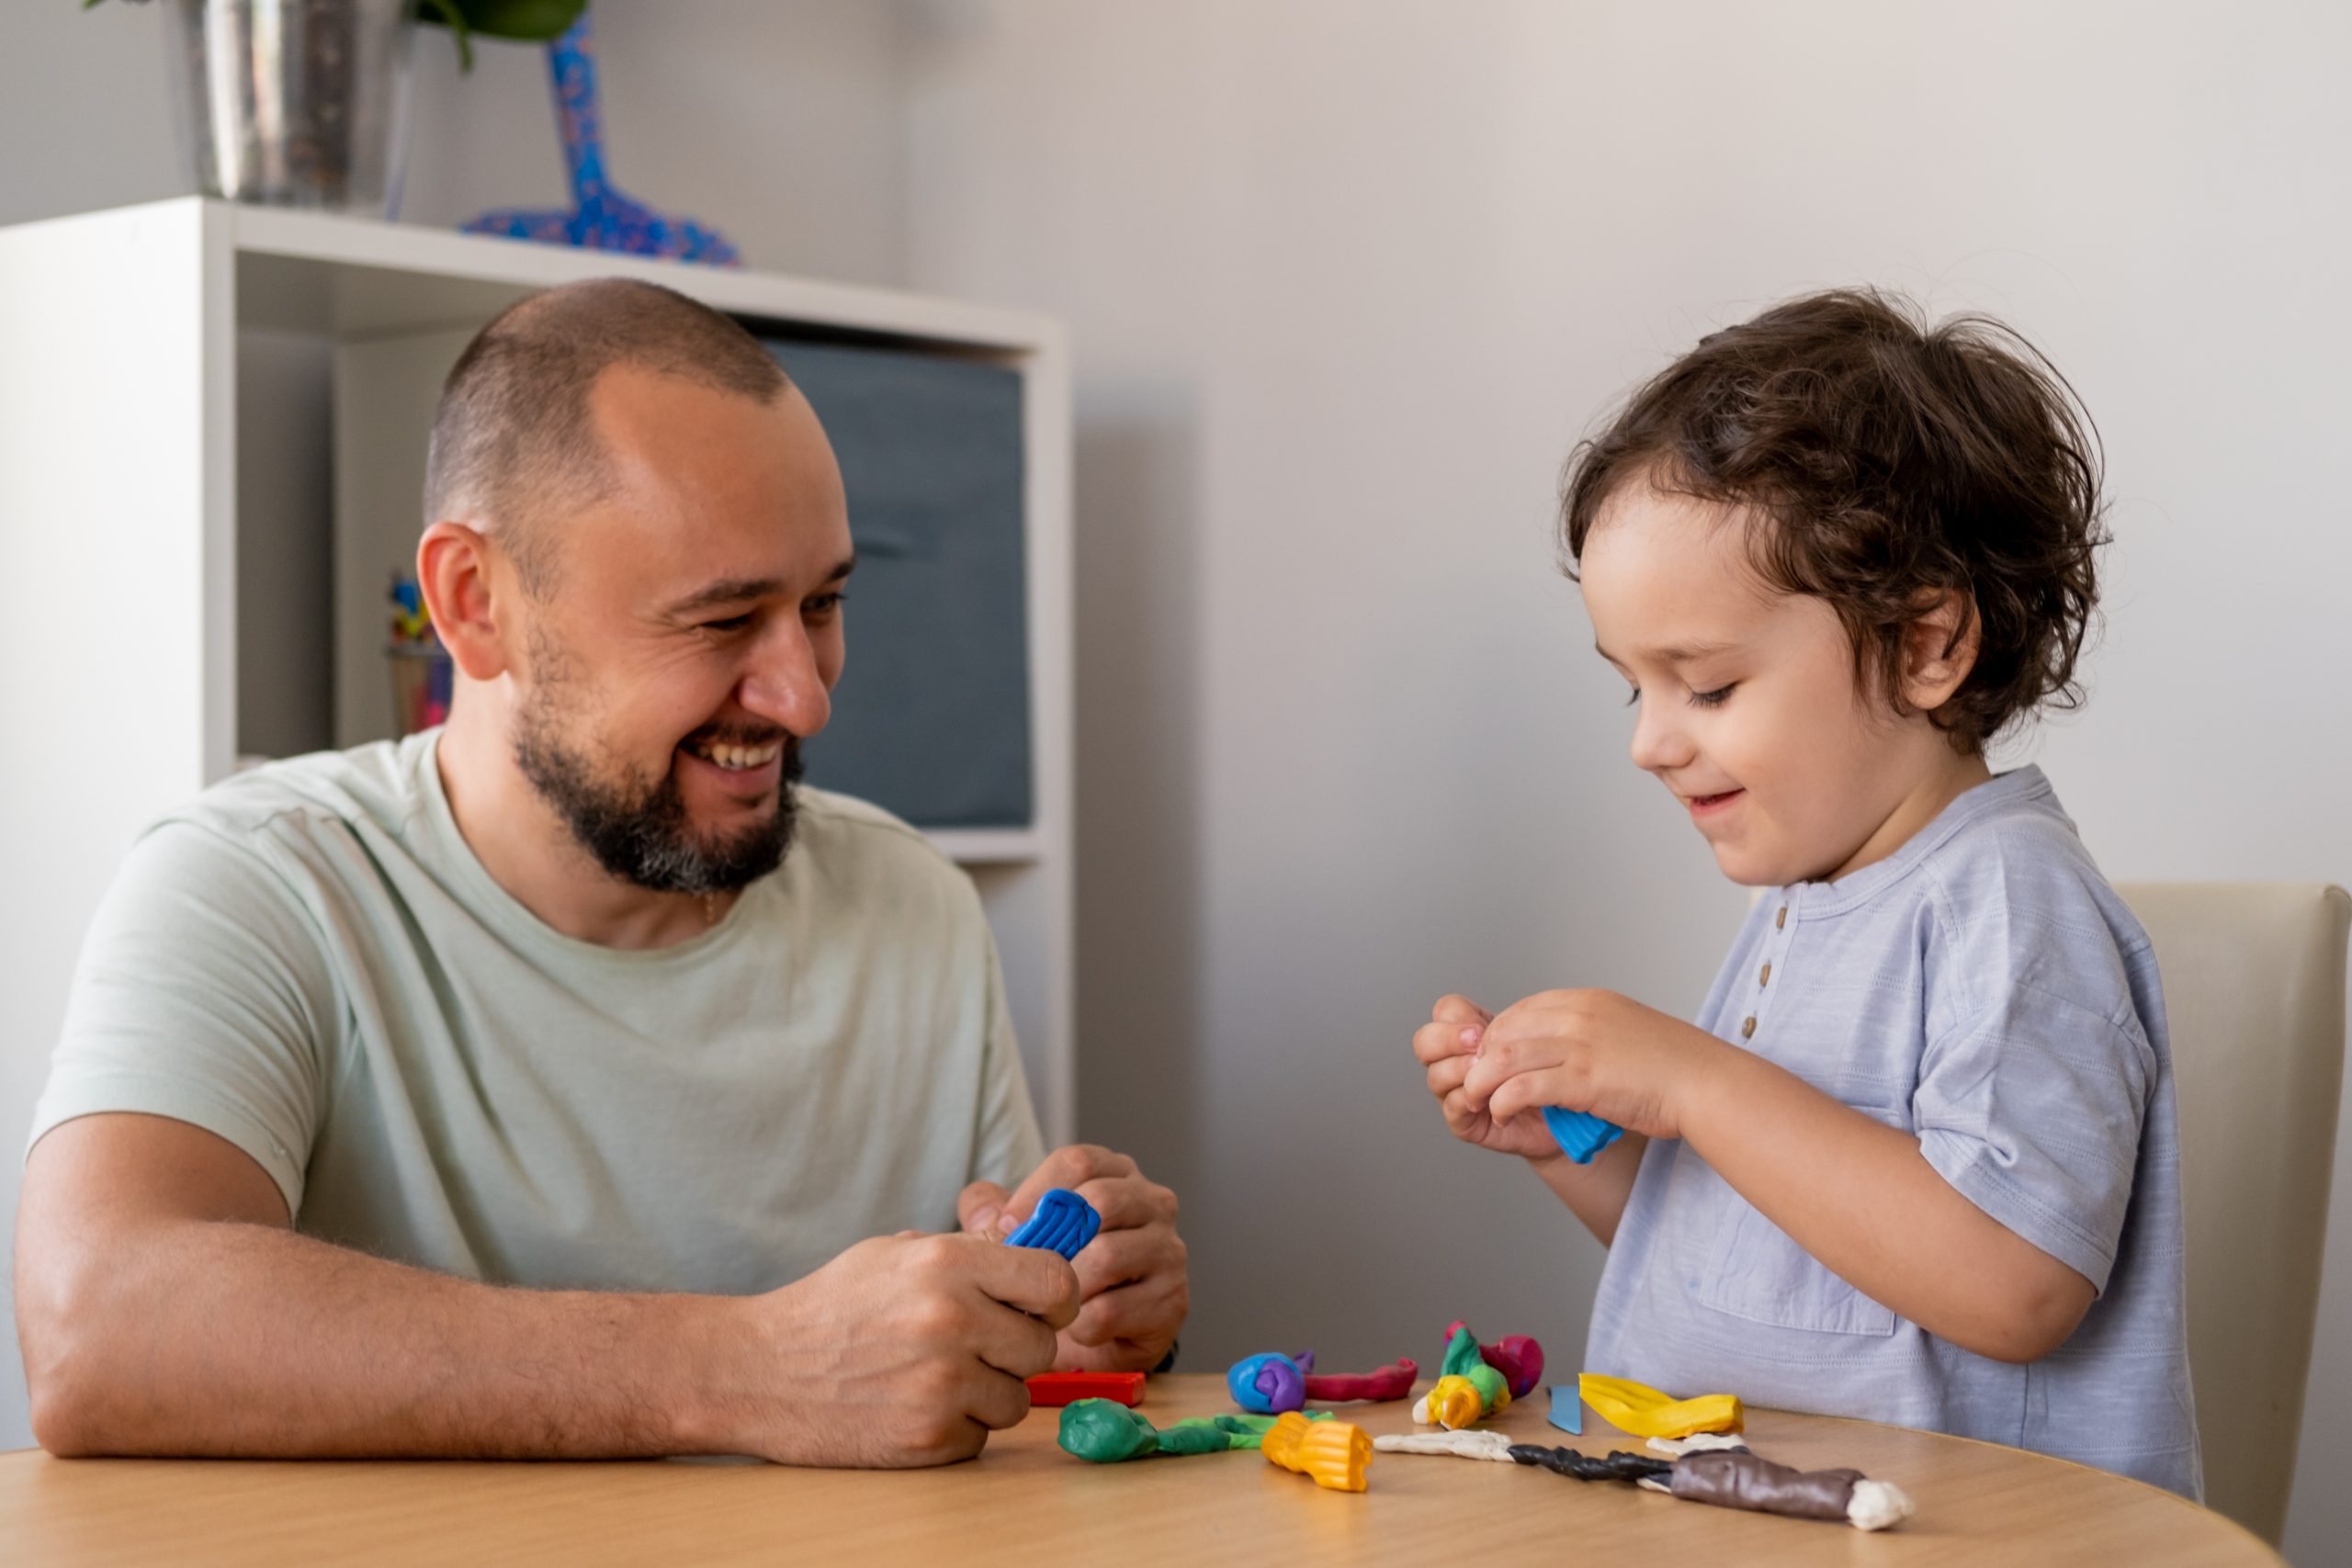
x,y
296,102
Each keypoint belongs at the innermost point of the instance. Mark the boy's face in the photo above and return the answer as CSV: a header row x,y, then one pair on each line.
x,y
1749,708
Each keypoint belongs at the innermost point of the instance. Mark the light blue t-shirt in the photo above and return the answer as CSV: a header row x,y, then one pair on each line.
x,y
1986,990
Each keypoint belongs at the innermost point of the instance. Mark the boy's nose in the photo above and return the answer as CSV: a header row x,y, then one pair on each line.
x,y
1660,742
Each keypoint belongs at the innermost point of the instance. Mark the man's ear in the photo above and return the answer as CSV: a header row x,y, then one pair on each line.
x,y
453,569
1939,649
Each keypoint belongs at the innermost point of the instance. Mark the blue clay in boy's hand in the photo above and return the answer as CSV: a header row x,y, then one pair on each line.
x,y
1580,1132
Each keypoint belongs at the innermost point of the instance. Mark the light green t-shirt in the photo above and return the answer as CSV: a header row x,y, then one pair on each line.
x,y
309,962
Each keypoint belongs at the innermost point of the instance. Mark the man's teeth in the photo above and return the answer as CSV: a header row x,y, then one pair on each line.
x,y
737,758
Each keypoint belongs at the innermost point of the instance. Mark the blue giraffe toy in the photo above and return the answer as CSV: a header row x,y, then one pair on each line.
x,y
603,217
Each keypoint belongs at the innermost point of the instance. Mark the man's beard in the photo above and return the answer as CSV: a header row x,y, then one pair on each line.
x,y
636,829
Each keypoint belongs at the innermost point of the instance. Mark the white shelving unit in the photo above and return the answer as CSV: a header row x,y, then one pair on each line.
x,y
199,444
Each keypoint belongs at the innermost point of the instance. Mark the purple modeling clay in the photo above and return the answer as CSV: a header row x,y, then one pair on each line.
x,y
1269,1382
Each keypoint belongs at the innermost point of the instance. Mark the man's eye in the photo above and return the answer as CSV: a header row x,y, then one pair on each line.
x,y
824,604
1714,699
1632,696
727,624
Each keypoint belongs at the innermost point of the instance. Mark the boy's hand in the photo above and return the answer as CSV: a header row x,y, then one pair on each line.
x,y
1591,1051
1446,1047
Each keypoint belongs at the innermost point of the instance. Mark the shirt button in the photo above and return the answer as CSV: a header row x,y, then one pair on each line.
x,y
1748,1029
1764,975
1781,919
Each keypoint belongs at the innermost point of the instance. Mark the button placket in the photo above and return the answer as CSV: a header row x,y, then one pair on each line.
x,y
1772,963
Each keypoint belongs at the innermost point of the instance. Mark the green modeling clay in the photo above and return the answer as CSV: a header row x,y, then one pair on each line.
x,y
1102,1432
1462,1357
1105,1433
1463,1360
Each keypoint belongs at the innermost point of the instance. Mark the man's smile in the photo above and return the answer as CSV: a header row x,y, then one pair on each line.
x,y
735,758
745,774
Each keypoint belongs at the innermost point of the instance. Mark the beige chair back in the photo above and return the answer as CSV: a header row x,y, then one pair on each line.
x,y
2254,990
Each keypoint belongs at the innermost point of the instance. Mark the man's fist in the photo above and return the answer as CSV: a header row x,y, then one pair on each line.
x,y
1133,1279
904,1351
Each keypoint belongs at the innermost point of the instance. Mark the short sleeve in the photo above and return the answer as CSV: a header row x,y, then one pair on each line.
x,y
1008,1146
2033,1109
200,996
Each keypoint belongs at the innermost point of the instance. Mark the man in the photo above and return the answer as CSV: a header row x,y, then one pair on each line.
x,y
552,1085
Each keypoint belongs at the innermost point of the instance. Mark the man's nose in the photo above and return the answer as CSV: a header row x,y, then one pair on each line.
x,y
1659,741
785,684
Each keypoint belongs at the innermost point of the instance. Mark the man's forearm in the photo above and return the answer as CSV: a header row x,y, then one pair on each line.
x,y
230,1339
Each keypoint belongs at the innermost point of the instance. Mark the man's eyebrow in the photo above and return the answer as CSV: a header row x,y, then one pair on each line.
x,y
738,589
1678,653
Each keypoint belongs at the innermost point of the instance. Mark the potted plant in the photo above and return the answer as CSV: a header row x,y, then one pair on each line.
x,y
305,103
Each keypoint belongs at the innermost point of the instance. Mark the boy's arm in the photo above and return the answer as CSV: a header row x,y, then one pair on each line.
x,y
1862,1198
165,1307
1857,1194
1595,1193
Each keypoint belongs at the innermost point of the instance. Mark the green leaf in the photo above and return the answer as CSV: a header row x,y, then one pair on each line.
x,y
525,21
446,12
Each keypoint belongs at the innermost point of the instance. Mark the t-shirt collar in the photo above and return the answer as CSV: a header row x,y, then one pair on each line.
x,y
1999,792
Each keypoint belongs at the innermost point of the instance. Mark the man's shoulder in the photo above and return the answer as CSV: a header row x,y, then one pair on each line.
x,y
858,823
366,784
848,837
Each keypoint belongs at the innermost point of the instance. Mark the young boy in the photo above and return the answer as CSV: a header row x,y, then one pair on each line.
x,y
1916,1162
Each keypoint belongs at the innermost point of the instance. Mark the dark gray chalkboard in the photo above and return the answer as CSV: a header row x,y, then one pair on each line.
x,y
931,719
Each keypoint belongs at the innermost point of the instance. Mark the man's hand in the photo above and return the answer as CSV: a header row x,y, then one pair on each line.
x,y
1447,1047
1132,1276
904,1351
1593,1051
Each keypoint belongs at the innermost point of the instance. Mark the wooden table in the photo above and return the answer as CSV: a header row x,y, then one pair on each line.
x,y
1024,1501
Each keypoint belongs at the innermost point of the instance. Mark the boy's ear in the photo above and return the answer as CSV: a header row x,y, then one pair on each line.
x,y
453,569
1939,649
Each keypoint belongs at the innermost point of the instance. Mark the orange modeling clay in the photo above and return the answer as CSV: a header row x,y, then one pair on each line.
x,y
1333,1453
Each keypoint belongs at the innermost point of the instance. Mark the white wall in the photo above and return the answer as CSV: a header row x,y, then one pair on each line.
x,y
1346,278
777,120
1347,275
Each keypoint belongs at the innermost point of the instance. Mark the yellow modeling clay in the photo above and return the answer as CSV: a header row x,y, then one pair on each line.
x,y
1638,1408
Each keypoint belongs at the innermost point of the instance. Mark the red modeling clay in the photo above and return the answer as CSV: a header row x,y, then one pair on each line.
x,y
1519,1357
1068,1388
1394,1380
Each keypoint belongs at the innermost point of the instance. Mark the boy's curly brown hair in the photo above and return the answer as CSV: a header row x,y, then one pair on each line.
x,y
1888,462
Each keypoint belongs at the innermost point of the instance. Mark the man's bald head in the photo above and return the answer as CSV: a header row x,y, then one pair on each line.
x,y
514,438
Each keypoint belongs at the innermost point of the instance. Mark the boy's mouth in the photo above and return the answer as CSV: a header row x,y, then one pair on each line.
x,y
1708,804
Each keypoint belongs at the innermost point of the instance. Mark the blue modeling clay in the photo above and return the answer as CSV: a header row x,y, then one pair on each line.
x,y
1269,1382
1064,1222
1581,1135
1567,1406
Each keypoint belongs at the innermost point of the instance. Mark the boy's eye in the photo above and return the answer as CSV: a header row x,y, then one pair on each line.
x,y
1632,696
1714,699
